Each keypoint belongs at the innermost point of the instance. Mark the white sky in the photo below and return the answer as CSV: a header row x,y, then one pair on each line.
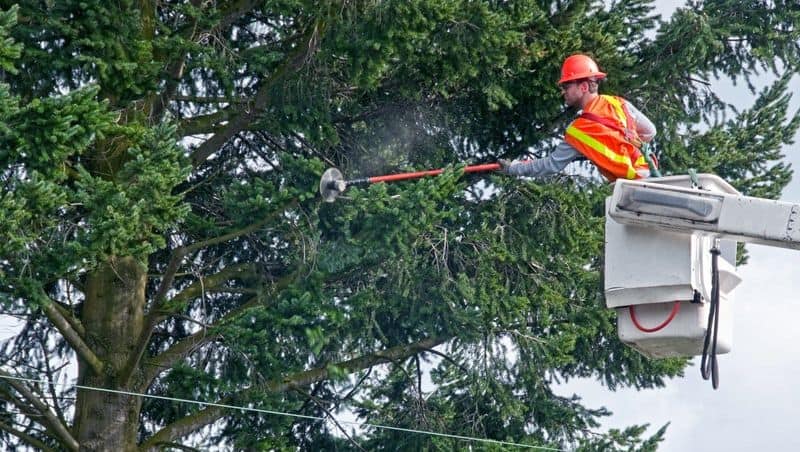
x,y
757,405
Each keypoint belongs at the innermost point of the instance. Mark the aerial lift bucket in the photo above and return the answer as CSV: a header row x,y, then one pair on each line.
x,y
660,281
672,283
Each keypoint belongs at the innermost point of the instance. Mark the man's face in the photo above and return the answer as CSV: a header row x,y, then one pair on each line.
x,y
572,92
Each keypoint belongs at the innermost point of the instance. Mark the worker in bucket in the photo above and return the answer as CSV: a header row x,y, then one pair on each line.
x,y
610,132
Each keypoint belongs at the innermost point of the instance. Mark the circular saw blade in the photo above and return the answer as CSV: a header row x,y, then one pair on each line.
x,y
331,184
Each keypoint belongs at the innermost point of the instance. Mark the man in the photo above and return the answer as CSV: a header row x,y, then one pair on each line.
x,y
609,131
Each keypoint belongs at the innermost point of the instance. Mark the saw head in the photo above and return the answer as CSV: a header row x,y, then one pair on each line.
x,y
332,184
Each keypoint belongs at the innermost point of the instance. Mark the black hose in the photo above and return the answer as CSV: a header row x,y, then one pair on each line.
x,y
708,365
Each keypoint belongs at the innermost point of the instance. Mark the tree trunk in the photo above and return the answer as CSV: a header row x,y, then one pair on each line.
x,y
113,316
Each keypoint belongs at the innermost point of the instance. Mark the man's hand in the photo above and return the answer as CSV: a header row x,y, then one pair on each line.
x,y
504,165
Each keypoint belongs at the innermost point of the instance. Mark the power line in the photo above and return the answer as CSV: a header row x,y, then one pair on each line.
x,y
295,415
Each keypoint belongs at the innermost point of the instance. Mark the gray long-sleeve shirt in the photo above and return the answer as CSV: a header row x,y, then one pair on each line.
x,y
565,153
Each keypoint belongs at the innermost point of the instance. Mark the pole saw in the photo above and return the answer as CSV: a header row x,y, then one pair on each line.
x,y
332,183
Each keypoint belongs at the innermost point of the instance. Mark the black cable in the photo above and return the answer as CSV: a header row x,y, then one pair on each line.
x,y
708,365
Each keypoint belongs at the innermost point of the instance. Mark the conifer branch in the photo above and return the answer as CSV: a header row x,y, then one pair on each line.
x,y
74,322
234,11
35,443
74,339
181,252
447,358
186,346
177,67
330,415
177,303
48,419
189,424
294,62
210,100
176,260
49,373
177,352
175,71
204,123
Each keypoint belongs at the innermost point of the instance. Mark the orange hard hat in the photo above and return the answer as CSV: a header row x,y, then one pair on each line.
x,y
579,66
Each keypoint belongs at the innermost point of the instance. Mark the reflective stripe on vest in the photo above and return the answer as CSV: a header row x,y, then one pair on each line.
x,y
625,118
605,151
607,145
619,110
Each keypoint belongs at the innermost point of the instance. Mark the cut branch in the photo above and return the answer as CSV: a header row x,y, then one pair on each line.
x,y
191,423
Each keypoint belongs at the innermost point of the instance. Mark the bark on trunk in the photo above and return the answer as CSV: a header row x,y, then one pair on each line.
x,y
113,316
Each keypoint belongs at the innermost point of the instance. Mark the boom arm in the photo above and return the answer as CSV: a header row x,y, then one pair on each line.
x,y
727,215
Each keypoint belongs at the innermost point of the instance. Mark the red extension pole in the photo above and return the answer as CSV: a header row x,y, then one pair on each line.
x,y
436,172
333,183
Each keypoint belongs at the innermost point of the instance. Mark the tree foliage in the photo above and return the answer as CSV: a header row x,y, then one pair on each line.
x,y
160,166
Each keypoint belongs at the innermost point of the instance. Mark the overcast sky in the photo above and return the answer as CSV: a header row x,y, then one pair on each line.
x,y
757,405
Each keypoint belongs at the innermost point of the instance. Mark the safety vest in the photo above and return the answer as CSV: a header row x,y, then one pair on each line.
x,y
606,134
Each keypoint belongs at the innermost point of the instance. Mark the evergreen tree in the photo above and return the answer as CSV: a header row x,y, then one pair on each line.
x,y
160,165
